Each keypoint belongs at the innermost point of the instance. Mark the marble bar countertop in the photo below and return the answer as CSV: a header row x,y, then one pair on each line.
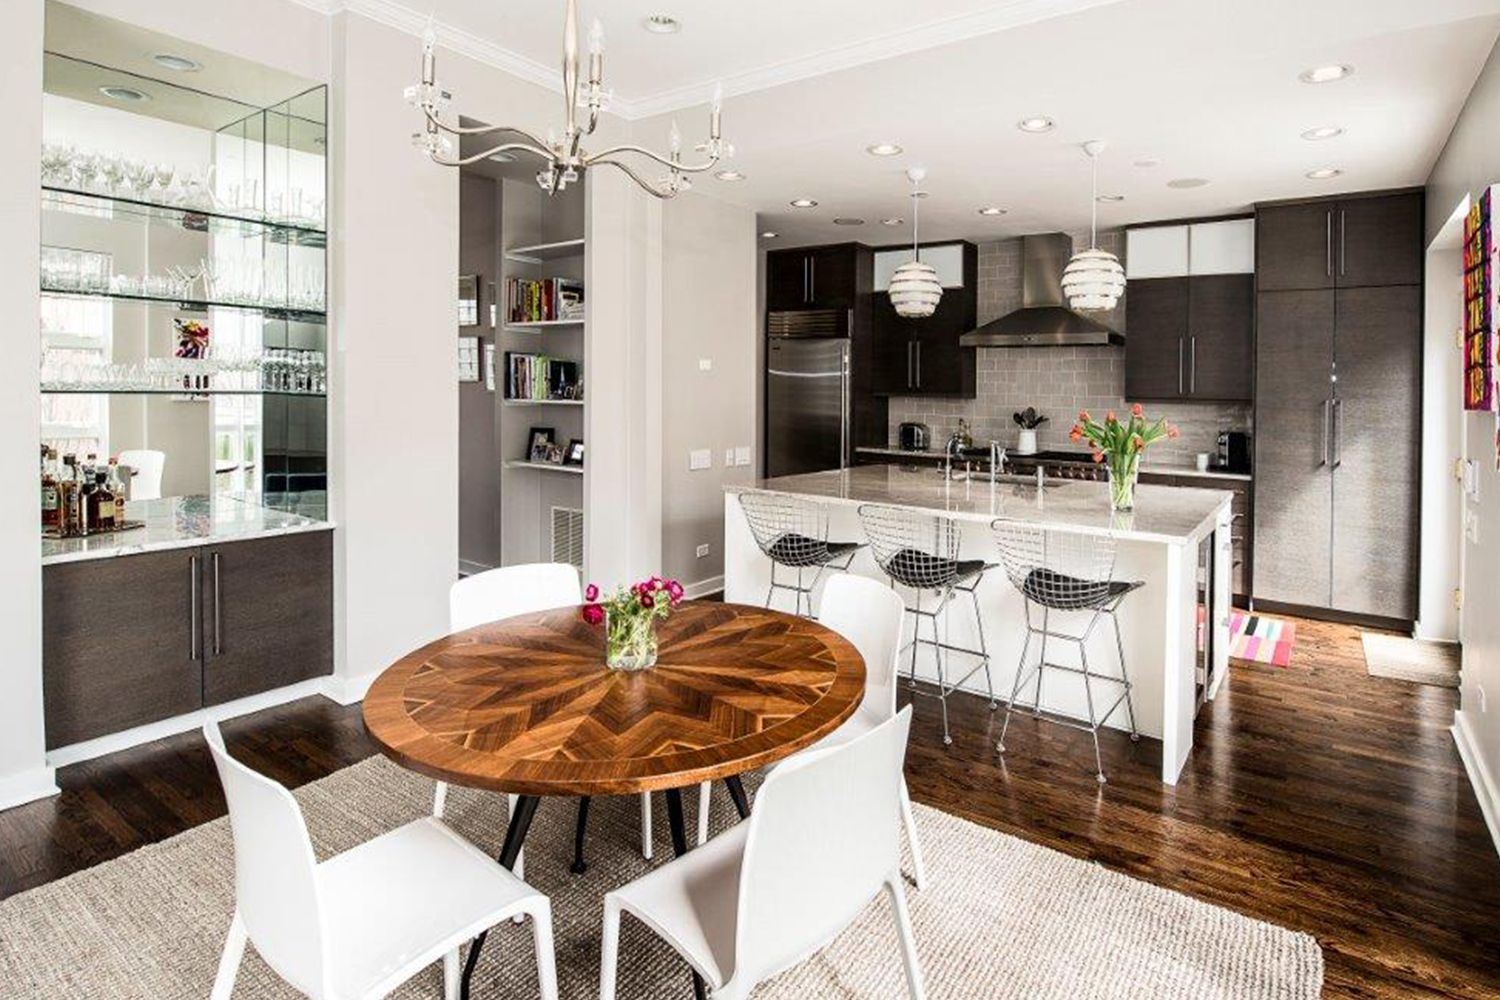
x,y
1171,514
1158,468
179,523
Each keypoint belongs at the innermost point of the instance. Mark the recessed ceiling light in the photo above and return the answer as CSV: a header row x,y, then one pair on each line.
x,y
883,149
1110,197
662,24
769,235
804,203
1325,74
1036,123
845,220
1187,182
129,94
730,175
1147,163
1322,132
181,64
991,210
892,222
1323,174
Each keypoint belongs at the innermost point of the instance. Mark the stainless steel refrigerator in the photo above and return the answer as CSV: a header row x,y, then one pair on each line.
x,y
807,404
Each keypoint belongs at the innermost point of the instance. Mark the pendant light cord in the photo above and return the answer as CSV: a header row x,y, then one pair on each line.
x,y
1094,204
916,213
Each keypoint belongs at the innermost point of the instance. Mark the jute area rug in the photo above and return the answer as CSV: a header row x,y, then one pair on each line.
x,y
1414,660
1000,917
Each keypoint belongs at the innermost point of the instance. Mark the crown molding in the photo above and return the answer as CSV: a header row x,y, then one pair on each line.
x,y
1003,15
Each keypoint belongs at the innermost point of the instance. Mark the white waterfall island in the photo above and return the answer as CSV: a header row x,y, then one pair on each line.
x,y
1177,541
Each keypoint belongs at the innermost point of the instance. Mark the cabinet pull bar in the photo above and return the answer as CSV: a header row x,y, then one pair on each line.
x,y
1323,459
908,364
193,608
1328,242
1338,432
919,364
812,279
1179,366
1341,243
218,617
1193,364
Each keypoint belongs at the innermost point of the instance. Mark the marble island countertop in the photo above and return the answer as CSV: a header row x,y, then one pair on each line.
x,y
1157,468
181,522
1170,514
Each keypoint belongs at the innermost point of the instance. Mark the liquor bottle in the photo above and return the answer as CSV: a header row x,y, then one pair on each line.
x,y
88,503
104,503
118,487
70,517
49,491
89,467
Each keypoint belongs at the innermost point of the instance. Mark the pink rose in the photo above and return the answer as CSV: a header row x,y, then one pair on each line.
x,y
593,614
591,593
674,590
646,599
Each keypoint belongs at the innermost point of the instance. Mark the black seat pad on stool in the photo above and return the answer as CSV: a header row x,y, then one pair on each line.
x,y
912,568
1069,593
798,551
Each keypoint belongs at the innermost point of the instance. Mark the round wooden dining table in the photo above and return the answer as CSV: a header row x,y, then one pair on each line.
x,y
527,706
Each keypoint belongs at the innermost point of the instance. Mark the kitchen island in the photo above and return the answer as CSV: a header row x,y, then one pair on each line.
x,y
1177,541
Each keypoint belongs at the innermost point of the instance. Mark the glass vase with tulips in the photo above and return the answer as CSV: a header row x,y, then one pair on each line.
x,y
629,617
1121,444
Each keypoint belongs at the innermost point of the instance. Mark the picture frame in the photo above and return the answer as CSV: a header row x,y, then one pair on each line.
x,y
573,454
468,300
555,454
468,359
541,442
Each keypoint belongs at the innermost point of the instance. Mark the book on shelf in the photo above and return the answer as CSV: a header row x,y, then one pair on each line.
x,y
543,301
536,376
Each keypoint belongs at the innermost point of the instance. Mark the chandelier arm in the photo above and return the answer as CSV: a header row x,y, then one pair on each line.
x,y
504,147
462,130
649,187
681,168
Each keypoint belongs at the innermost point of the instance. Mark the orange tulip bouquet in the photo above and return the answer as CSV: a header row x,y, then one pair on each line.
x,y
1121,444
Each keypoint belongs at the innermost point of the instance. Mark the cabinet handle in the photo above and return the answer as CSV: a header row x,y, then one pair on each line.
x,y
1328,242
812,279
1338,432
218,618
1327,405
1341,243
1179,366
919,364
1193,364
908,363
806,287
193,608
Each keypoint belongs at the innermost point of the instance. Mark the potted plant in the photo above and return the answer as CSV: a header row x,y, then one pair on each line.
x,y
1121,445
1028,420
629,617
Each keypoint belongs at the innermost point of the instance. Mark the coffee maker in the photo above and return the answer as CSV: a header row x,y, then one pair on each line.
x,y
1234,451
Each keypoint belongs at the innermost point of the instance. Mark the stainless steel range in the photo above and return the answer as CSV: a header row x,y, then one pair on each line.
x,y
1057,465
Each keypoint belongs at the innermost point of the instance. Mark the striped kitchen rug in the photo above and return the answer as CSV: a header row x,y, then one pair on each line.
x,y
1261,638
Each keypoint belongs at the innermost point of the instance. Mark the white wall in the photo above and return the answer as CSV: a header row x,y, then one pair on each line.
x,y
23,771
1468,164
708,313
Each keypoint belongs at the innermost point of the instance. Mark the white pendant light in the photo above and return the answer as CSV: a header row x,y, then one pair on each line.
x,y
1093,280
915,289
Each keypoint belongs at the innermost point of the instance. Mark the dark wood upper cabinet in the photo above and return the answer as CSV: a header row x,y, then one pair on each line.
x,y
922,357
814,277
268,608
122,647
1379,241
1294,246
1156,327
786,279
831,277
1221,337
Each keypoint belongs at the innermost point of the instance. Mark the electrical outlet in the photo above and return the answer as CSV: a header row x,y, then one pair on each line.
x,y
702,551
742,455
700,458
705,364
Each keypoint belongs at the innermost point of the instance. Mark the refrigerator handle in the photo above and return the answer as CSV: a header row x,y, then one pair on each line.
x,y
908,364
919,363
1338,432
1327,405
844,409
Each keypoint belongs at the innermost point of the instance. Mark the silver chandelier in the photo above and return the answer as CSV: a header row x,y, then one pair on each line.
x,y
565,158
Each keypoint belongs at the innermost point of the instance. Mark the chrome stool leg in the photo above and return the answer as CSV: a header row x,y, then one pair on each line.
x,y
984,652
1016,682
1088,694
1135,736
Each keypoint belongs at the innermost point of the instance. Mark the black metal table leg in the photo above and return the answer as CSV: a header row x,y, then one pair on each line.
x,y
680,847
737,793
515,836
579,864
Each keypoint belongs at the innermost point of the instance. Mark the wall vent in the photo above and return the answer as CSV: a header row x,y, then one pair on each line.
x,y
567,536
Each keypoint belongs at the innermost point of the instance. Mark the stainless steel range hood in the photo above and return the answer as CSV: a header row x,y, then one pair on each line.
x,y
1043,320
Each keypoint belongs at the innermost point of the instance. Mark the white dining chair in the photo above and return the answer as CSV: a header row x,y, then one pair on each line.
x,y
504,593
145,472
821,843
357,926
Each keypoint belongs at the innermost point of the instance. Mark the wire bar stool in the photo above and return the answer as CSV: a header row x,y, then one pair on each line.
x,y
1064,571
920,552
793,533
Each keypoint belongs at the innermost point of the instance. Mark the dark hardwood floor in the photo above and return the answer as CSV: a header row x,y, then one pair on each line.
x,y
1317,798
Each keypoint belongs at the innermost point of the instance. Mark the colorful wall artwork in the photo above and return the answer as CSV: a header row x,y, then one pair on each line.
x,y
1480,305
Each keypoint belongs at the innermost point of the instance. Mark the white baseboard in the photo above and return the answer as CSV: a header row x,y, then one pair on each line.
x,y
89,749
28,786
1479,775
703,588
348,690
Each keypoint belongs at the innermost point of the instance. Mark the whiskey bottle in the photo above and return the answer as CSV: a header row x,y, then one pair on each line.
x,y
49,491
88,503
118,488
70,516
104,503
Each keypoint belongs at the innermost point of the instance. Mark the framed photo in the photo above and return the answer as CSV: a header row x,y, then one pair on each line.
x,y
468,359
489,367
468,300
554,454
574,453
542,441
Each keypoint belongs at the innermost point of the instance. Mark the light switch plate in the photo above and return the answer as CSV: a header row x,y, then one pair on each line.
x,y
702,551
728,457
700,458
705,364
742,455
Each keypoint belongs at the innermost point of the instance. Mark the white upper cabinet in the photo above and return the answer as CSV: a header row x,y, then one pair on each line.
x,y
1156,252
1226,247
947,259
1222,247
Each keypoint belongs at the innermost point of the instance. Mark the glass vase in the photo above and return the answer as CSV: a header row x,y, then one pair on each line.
x,y
1123,473
630,642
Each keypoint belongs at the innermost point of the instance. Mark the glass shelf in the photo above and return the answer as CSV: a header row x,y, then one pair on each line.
x,y
546,324
539,252
89,203
100,391
542,402
520,463
195,305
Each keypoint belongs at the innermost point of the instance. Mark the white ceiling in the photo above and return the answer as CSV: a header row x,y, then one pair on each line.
x,y
1208,88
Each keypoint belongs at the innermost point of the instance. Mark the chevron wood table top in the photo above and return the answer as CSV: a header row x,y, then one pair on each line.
x,y
527,706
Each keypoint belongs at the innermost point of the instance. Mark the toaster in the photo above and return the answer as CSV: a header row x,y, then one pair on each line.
x,y
914,437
